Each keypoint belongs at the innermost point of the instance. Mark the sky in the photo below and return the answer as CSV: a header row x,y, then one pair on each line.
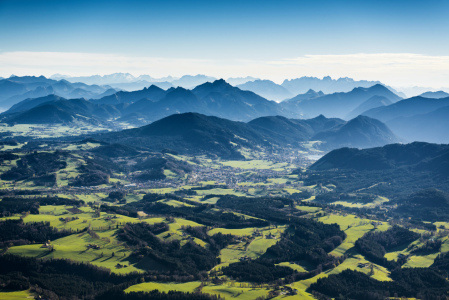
x,y
401,43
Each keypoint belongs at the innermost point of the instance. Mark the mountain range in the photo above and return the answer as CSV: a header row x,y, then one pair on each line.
x,y
295,86
338,105
193,133
328,85
435,95
267,89
150,104
15,89
414,119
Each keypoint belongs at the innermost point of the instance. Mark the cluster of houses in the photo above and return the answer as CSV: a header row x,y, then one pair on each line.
x,y
285,290
245,258
268,236
68,219
46,245
109,218
93,246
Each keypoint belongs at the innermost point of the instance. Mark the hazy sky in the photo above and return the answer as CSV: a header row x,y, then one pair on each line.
x,y
398,42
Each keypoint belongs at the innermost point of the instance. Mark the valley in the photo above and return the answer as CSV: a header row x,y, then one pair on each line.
x,y
104,204
214,192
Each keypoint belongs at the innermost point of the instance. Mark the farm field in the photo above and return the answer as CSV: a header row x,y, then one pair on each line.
x,y
20,295
200,194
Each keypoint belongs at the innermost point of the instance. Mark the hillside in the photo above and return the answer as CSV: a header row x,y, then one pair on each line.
x,y
191,133
360,132
429,127
152,93
373,102
33,102
417,155
310,94
406,108
338,104
267,89
435,95
15,89
327,84
293,131
216,98
285,131
45,114
57,106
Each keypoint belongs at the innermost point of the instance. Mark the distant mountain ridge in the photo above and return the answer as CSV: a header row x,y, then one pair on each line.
x,y
338,105
15,89
310,94
413,119
360,132
328,85
150,104
373,102
435,95
267,89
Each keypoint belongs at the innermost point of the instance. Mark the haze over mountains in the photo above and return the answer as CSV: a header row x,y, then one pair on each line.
x,y
265,88
38,100
16,89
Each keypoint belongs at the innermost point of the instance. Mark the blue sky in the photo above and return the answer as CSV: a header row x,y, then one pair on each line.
x,y
218,35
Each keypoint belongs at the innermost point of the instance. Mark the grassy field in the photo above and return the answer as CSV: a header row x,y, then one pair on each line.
x,y
354,228
164,287
378,201
256,247
16,295
256,164
235,292
74,246
229,290
50,131
293,266
218,191
380,273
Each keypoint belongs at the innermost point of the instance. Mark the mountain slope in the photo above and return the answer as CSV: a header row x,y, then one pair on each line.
x,y
406,108
216,98
327,84
360,132
229,102
338,104
283,130
153,93
32,102
321,123
435,95
310,94
267,89
418,156
189,81
44,114
77,108
373,102
428,127
15,89
191,133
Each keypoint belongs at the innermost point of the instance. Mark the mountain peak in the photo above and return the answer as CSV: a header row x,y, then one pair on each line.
x,y
220,82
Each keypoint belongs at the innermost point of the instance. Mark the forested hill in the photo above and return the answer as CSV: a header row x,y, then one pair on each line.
x,y
417,155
